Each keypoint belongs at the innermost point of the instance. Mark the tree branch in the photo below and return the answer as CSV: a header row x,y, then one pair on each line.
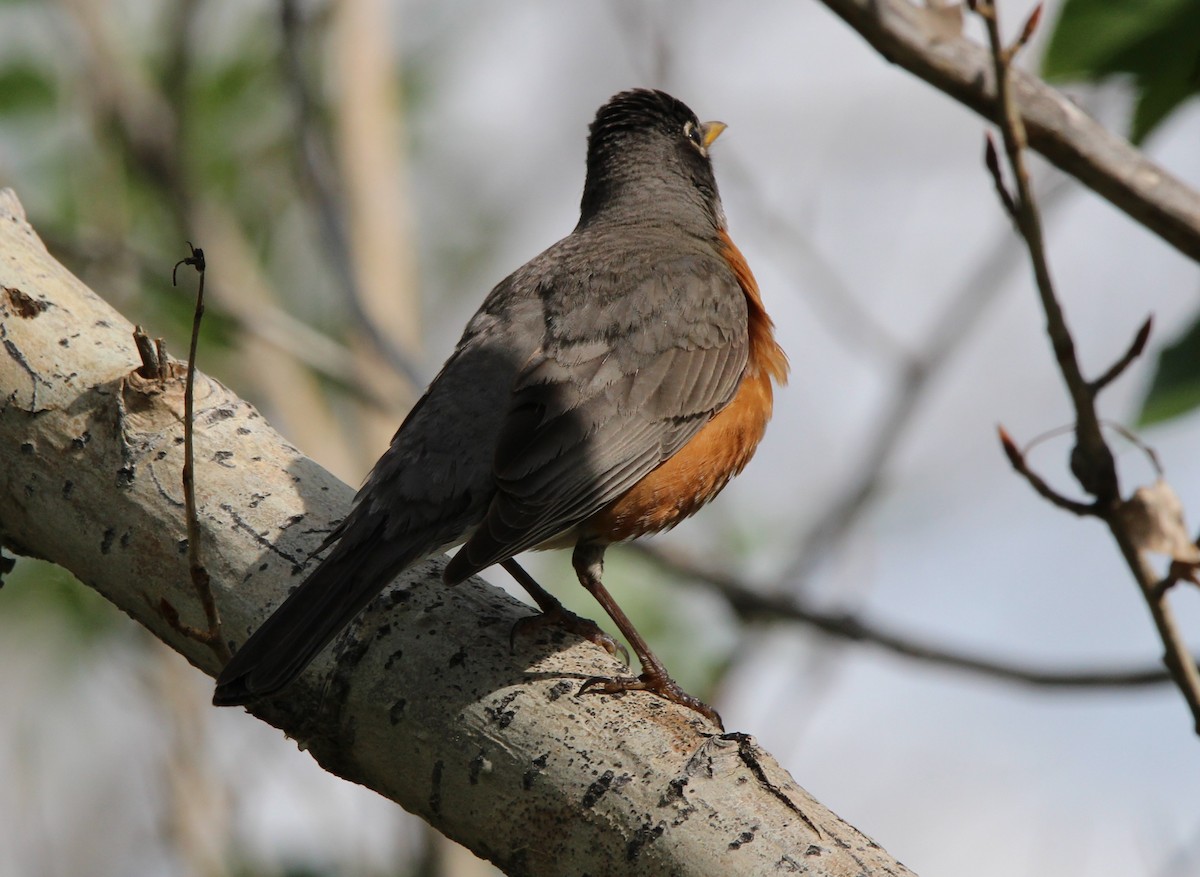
x,y
754,606
1092,461
422,699
916,38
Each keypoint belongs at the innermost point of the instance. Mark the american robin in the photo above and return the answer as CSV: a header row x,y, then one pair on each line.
x,y
607,389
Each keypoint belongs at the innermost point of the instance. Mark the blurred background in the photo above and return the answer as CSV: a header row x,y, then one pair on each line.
x,y
361,173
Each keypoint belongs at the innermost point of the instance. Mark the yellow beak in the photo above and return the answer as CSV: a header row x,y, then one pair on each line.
x,y
710,131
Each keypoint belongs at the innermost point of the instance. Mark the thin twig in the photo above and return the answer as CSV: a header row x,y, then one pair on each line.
x,y
153,367
752,605
199,573
1016,457
1092,460
261,320
1134,351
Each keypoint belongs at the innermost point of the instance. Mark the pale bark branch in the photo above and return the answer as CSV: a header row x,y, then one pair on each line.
x,y
919,40
422,699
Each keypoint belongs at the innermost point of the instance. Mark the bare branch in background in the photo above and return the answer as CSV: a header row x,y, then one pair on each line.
x,y
1092,461
752,605
316,169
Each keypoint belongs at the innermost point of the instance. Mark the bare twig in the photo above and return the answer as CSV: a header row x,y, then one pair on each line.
x,y
753,605
261,320
153,353
200,577
1092,461
1016,457
1134,351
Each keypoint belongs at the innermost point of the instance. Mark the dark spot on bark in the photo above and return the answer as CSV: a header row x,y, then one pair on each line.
x,y
813,850
598,789
396,713
107,541
744,838
476,768
126,538
645,834
23,304
26,447
393,658
382,631
222,458
500,713
674,791
242,430
536,767
64,342
80,442
68,487
103,324
182,546
559,689
397,597
125,475
458,658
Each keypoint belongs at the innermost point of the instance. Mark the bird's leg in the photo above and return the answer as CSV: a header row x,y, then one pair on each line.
x,y
588,561
556,614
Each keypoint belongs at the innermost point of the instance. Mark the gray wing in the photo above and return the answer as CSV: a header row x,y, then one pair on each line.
x,y
428,491
628,371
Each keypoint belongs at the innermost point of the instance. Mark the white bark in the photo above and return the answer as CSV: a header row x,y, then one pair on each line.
x,y
421,699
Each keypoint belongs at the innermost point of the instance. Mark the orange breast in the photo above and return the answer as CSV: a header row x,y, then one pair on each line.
x,y
719,451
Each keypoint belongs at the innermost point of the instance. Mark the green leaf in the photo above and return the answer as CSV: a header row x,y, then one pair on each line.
x,y
1175,389
26,89
1156,42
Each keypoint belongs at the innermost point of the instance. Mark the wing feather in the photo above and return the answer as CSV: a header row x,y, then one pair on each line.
x,y
611,394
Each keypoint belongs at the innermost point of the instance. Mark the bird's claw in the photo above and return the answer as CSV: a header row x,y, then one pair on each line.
x,y
664,686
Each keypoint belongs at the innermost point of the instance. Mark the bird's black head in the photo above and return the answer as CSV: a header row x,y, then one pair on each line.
x,y
648,161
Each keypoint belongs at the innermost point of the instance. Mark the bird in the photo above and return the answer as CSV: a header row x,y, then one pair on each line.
x,y
605,390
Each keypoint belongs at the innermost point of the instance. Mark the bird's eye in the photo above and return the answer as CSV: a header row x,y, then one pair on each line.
x,y
692,132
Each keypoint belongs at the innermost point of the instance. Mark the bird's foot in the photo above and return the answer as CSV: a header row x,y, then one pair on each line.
x,y
564,619
661,684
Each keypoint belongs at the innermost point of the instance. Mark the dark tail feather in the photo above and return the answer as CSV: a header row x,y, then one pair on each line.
x,y
336,591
